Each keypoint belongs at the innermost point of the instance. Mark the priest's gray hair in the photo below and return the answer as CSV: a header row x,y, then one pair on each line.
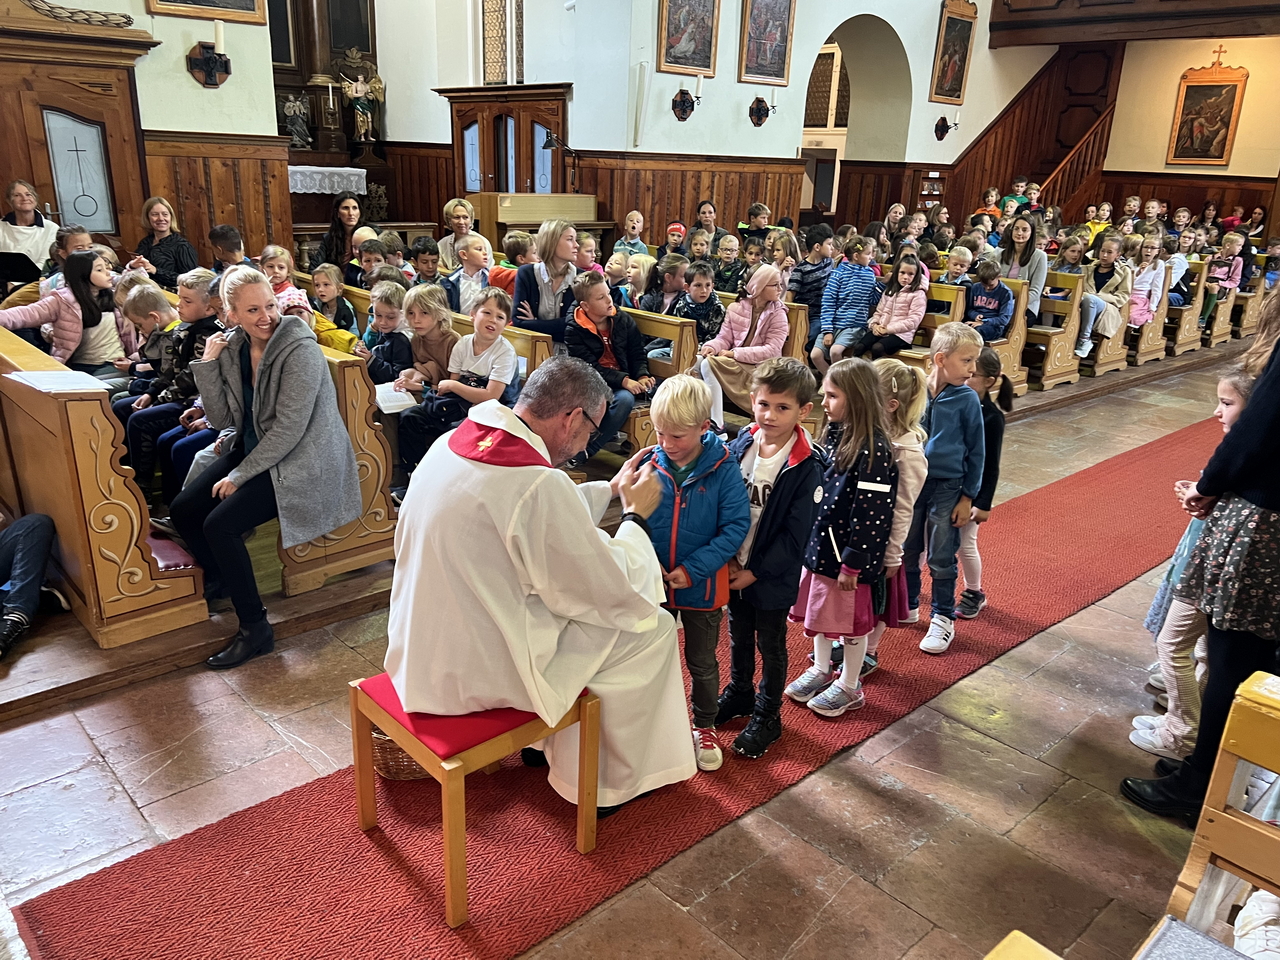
x,y
562,384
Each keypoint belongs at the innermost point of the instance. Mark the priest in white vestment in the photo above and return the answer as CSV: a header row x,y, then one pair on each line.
x,y
507,594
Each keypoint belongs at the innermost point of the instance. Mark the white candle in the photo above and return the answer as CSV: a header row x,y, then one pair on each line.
x,y
773,97
219,40
697,90
331,96
957,120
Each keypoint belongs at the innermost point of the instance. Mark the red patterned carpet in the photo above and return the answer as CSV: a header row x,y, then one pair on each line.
x,y
294,878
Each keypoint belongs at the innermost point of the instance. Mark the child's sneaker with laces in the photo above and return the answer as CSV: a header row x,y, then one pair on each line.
x,y
760,734
809,684
835,701
706,745
913,616
971,603
941,632
870,664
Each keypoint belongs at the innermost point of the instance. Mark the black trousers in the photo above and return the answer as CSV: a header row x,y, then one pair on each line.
x,y
214,531
877,346
752,629
1234,656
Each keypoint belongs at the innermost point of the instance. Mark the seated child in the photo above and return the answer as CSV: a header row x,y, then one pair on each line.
x,y
155,322
808,281
1148,282
586,258
957,275
728,267
989,305
630,241
518,248
700,245
757,224
465,284
353,271
294,302
390,353
483,366
228,248
426,308
610,341
754,330
1223,274
384,272
782,472
699,303
395,253
675,241
1272,266
666,284
616,272
373,253
276,263
851,294
898,314
70,239
697,529
990,203
326,281
944,235
784,249
640,267
425,256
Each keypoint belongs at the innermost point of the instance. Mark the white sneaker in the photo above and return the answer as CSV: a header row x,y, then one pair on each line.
x,y
707,748
1163,700
1083,346
1147,723
836,701
941,632
1257,927
1157,680
1149,740
913,616
809,684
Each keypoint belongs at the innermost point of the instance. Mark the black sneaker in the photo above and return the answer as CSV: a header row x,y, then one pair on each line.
x,y
165,526
52,600
870,664
971,604
397,495
761,733
12,629
733,704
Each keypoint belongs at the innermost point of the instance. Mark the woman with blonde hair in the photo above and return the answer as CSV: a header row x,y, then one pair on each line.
x,y
544,290
163,253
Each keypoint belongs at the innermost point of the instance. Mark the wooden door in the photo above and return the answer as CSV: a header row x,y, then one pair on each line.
x,y
68,102
539,171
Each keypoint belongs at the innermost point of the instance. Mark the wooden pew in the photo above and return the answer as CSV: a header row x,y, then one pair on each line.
x,y
683,335
1109,353
1051,347
797,326
1182,326
918,355
1147,342
1011,344
1249,300
1218,329
60,454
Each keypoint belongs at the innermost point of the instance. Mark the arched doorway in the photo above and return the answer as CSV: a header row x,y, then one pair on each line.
x,y
865,54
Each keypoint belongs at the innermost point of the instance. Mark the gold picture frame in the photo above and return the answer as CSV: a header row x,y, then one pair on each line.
x,y
688,34
232,11
1207,114
954,52
764,51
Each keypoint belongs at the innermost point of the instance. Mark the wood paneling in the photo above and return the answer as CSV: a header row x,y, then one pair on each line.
x,y
423,180
666,187
1182,190
222,178
867,190
1018,22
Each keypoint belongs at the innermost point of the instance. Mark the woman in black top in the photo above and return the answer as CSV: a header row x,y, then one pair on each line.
x,y
163,253
336,248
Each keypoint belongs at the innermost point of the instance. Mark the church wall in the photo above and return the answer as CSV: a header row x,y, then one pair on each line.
x,y
1148,96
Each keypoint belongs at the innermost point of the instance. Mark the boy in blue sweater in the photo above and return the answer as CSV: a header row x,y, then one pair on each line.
x,y
956,451
696,530
989,306
782,470
850,298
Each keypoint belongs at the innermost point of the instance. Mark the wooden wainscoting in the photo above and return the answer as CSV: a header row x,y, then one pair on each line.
x,y
668,186
422,180
1188,190
867,190
223,178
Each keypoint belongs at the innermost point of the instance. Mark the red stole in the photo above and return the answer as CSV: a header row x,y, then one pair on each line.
x,y
493,445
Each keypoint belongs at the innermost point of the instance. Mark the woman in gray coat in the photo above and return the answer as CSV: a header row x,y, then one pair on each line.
x,y
291,458
1019,258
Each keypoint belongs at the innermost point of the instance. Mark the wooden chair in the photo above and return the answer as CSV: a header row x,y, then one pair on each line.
x,y
1182,326
1051,347
1226,836
1147,342
683,335
1249,300
449,748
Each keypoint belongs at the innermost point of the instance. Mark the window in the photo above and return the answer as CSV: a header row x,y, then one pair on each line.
x,y
502,40
471,153
818,100
504,141
81,176
541,160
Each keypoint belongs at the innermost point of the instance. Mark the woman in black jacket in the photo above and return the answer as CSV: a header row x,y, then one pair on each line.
x,y
163,253
336,246
612,344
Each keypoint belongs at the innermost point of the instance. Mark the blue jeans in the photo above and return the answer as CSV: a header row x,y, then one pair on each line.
x,y
24,551
176,449
1177,300
1091,307
931,524
615,418
143,428
991,330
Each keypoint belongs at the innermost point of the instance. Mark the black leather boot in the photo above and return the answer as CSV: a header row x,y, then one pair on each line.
x,y
251,640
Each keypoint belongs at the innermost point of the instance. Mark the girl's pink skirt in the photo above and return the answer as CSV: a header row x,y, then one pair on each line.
x,y
822,607
1140,311
896,609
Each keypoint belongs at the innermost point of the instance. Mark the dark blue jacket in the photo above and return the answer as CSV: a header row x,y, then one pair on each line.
x,y
700,526
956,448
528,291
855,512
786,523
993,307
452,290
392,354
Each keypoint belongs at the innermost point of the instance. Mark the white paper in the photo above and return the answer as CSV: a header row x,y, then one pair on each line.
x,y
58,381
390,400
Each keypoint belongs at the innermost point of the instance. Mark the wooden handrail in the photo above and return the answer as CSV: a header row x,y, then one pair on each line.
x,y
1099,133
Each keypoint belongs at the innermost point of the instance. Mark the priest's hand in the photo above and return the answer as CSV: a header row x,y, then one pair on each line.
x,y
628,469
641,491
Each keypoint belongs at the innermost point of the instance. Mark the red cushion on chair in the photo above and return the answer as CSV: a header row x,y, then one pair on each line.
x,y
445,736
170,555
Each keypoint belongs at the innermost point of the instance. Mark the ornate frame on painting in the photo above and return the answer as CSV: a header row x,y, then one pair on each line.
x,y
748,46
960,19
669,14
1201,121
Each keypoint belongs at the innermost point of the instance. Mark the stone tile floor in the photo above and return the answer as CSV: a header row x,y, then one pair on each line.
x,y
992,807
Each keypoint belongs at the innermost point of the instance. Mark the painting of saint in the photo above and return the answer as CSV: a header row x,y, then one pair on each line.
x,y
951,65
687,36
1204,123
765,55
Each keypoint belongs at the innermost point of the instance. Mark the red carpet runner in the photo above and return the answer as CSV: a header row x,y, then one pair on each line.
x,y
295,878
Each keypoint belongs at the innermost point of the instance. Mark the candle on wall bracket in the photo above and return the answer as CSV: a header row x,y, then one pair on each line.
x,y
208,63
682,103
758,112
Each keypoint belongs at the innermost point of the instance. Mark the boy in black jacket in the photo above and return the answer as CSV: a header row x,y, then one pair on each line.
x,y
782,470
610,342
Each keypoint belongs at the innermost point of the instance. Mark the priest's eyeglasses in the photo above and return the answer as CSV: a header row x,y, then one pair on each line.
x,y
595,427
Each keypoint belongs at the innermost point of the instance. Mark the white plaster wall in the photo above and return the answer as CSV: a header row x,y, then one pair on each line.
x,y
170,99
1149,94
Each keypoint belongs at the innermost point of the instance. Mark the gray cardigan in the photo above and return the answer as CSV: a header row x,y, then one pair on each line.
x,y
1035,273
301,436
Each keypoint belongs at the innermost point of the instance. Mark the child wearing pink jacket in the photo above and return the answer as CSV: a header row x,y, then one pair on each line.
x,y
898,316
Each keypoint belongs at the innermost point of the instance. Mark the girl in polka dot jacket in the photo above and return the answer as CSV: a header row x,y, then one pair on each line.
x,y
846,549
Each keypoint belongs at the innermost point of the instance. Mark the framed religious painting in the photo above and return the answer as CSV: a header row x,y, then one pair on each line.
x,y
764,55
953,52
238,11
687,32
1207,114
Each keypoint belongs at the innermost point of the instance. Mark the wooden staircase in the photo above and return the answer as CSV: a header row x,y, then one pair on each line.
x,y
1078,177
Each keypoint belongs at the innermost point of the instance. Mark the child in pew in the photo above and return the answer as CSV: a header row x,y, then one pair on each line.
x,y
1179,279
696,530
666,285
1111,283
395,253
372,254
382,273
700,245
729,268
898,314
155,320
639,268
675,241
1017,192
426,308
391,354
228,248
70,239
1180,222
353,270
756,226
326,281
782,470
1223,274
276,264
955,450
483,366
753,252
518,248
989,304
630,242
425,256
987,376
990,203
610,341
465,284
586,259
1272,267
699,303
617,272
851,295
930,262
294,302
846,546
138,367
957,275
785,251
944,235
808,280
1148,282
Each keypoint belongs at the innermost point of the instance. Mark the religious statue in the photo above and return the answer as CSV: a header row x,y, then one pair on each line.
x,y
364,92
297,111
